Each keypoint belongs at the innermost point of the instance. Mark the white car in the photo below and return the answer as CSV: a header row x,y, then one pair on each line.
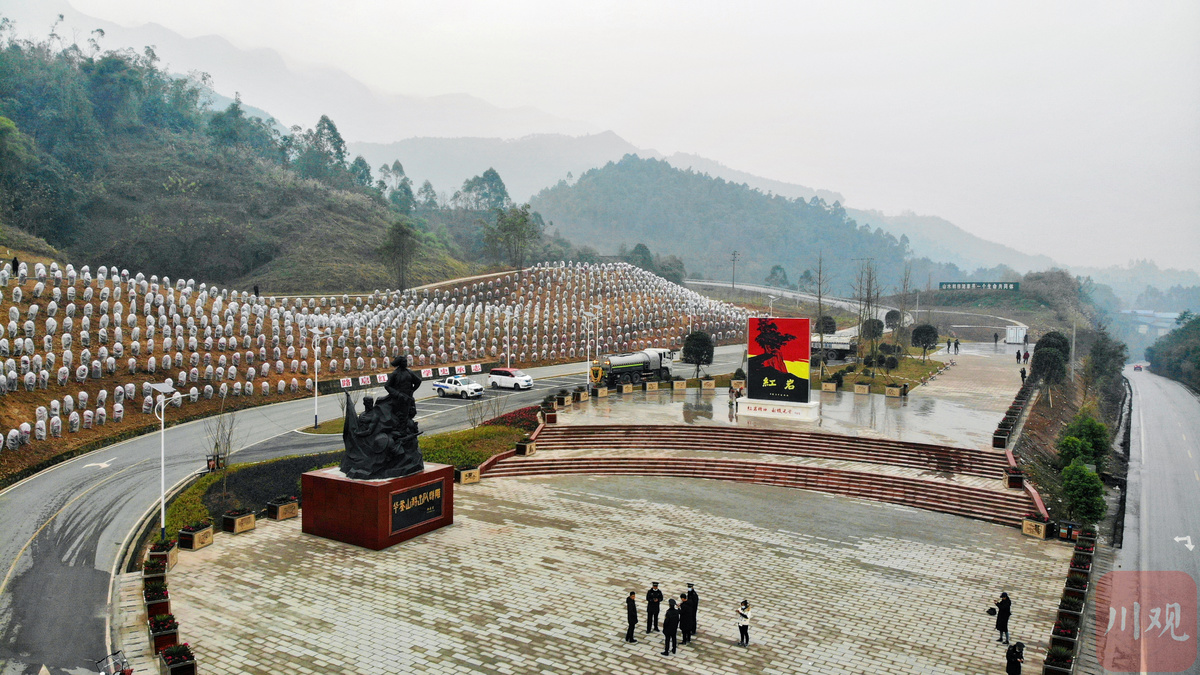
x,y
509,378
458,385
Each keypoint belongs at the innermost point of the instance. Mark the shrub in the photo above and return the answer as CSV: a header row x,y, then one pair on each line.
x,y
470,448
180,653
850,368
739,374
155,590
161,546
868,360
163,622
1092,433
1084,492
892,363
525,419
1069,450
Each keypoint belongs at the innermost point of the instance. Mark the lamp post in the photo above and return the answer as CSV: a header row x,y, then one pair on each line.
x,y
317,375
733,278
160,411
771,304
508,312
591,327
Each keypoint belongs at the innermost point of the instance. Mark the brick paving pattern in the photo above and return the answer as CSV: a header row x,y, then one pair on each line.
x,y
533,574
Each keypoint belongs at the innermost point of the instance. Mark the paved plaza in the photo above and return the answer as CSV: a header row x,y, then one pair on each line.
x,y
532,578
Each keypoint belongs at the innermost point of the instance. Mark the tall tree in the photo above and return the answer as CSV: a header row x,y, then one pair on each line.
x,y
777,277
698,350
484,192
925,336
515,232
399,249
427,197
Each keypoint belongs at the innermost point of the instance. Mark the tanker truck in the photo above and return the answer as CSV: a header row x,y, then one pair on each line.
x,y
632,368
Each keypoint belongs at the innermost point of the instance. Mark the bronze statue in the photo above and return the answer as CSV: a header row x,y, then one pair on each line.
x,y
382,441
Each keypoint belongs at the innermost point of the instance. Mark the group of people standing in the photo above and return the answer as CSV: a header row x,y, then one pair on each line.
x,y
953,345
680,617
1014,656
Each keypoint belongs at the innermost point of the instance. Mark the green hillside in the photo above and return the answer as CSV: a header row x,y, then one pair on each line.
x,y
113,161
703,220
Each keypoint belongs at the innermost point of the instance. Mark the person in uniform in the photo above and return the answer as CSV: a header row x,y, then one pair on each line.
x,y
653,598
685,618
670,624
693,607
631,610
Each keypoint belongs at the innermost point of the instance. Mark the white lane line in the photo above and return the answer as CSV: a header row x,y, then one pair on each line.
x,y
1197,473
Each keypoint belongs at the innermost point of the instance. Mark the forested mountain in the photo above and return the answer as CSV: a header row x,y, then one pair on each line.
x,y
703,220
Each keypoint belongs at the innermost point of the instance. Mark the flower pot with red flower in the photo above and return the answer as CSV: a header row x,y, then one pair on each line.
x,y
283,507
1058,661
1014,478
164,631
154,570
167,550
1087,535
1081,564
195,536
236,521
178,660
1076,586
157,599
1036,525
1000,438
1065,633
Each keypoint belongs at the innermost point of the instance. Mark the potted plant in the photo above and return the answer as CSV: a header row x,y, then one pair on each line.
x,y
526,447
195,536
548,403
739,379
1087,536
892,391
1000,438
154,570
562,398
650,385
236,521
549,416
1081,564
1065,632
829,385
580,394
708,382
164,631
1058,661
167,551
1071,606
1085,549
157,599
1076,586
178,660
283,507
862,388
466,475
678,384
1014,477
1035,525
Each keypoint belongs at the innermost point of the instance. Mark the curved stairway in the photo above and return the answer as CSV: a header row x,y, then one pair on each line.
x,y
658,450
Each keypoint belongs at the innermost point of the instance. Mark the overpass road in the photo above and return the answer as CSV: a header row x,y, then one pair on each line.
x,y
65,528
1164,480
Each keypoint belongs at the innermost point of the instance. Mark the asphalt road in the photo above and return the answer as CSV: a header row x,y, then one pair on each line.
x,y
64,529
1164,480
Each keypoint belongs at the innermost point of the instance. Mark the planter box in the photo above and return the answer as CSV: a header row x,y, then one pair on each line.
x,y
1086,540
678,385
708,384
185,668
737,384
1060,641
894,392
194,541
862,388
561,401
1078,616
600,392
625,388
237,524
551,417
1080,570
466,476
283,511
999,440
1055,670
1080,593
1035,528
526,448
1014,481
160,641
649,386
156,607
171,556
579,396
829,386
152,578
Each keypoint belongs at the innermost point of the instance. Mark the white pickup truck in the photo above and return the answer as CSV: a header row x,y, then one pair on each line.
x,y
458,385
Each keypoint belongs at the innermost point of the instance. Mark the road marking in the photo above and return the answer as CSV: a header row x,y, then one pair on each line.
x,y
81,495
1188,541
1197,474
102,466
1184,436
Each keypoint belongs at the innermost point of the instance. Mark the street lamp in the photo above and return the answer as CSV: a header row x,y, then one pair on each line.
x,y
591,317
316,375
160,411
771,304
508,312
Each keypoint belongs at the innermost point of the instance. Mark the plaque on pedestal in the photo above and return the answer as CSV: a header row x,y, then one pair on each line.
x,y
376,514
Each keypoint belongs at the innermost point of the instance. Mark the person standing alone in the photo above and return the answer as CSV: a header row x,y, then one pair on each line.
x,y
631,609
670,624
1003,611
743,624
653,598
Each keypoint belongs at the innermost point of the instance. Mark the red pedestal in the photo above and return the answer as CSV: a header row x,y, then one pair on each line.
x,y
376,514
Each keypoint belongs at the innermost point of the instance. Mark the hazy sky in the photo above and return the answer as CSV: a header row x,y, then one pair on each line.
x,y
1066,128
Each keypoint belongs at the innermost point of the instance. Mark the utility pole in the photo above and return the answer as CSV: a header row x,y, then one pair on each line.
x,y
733,279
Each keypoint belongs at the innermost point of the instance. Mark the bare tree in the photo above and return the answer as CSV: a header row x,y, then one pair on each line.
x,y
821,283
223,438
905,289
486,408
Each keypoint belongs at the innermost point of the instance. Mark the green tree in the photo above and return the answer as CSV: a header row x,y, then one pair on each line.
x,y
641,257
1084,492
670,268
360,170
427,198
777,277
1049,365
1092,433
114,85
399,249
485,191
825,325
872,329
1070,449
514,233
1055,340
892,319
698,350
925,336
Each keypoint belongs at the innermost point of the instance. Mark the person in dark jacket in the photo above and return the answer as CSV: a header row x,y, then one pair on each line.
x,y
631,609
1003,611
15,265
693,607
1023,374
1018,357
1013,658
653,598
685,618
670,624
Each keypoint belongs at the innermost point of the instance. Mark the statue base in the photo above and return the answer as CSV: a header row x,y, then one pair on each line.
x,y
798,412
376,514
